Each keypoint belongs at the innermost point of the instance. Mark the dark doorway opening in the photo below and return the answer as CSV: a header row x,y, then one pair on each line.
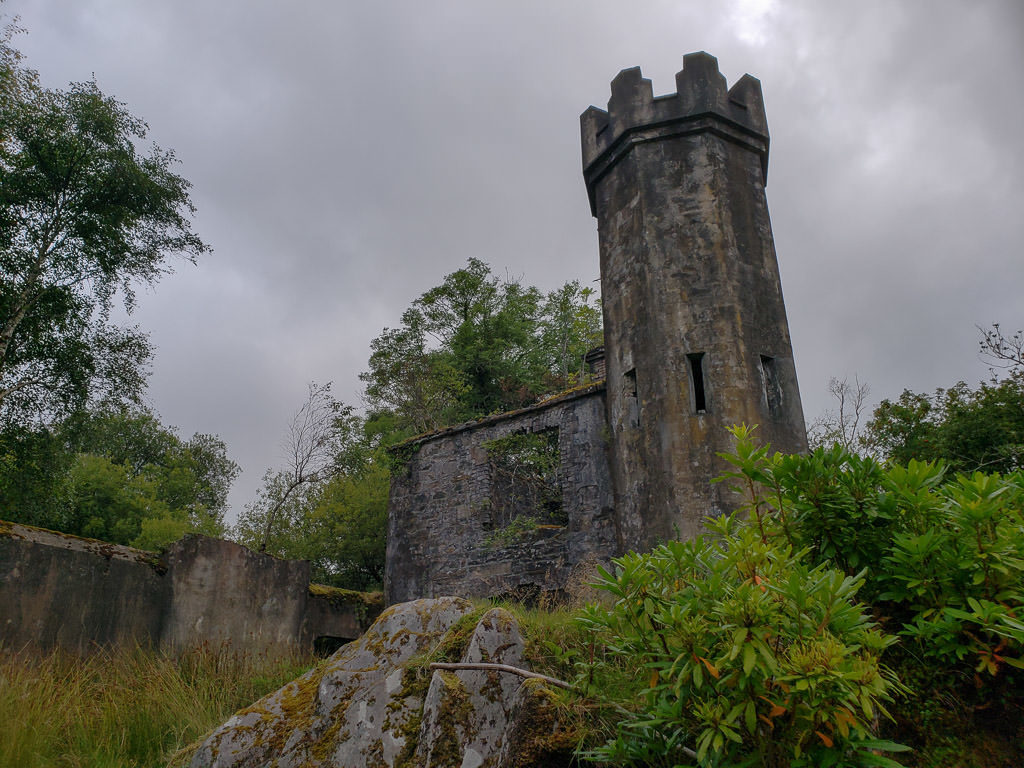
x,y
325,645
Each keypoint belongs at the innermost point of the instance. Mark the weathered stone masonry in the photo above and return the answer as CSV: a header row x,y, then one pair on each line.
x,y
696,340
61,591
442,535
696,336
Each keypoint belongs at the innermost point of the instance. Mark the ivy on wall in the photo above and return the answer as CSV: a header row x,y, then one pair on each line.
x,y
525,482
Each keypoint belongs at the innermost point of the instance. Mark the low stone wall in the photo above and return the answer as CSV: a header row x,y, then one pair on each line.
x,y
221,592
60,591
447,530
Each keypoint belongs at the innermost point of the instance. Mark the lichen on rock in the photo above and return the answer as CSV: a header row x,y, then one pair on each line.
x,y
368,707
341,714
465,714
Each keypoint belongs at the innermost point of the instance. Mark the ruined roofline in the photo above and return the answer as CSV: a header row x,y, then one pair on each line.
x,y
496,418
700,104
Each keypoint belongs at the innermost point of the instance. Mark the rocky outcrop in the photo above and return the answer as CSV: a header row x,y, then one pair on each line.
x,y
365,707
466,712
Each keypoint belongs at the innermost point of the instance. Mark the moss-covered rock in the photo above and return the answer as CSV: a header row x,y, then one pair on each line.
x,y
349,711
367,706
465,714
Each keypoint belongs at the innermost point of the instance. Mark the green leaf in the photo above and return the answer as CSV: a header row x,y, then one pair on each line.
x,y
749,658
750,717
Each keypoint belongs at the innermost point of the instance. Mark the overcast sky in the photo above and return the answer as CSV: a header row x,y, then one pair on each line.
x,y
346,156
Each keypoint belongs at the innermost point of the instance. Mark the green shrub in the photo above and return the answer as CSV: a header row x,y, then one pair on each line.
x,y
748,656
943,557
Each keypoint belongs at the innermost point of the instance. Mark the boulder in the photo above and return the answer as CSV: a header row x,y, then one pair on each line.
x,y
347,713
465,714
366,708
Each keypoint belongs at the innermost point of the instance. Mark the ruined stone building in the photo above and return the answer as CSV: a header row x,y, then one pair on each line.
x,y
696,340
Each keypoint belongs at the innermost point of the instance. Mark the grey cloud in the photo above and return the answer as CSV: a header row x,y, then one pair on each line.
x,y
347,155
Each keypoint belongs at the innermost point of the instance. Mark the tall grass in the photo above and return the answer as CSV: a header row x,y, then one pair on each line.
x,y
126,708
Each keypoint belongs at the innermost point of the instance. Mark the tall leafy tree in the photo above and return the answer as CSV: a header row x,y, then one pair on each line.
x,y
84,219
570,326
192,476
116,474
476,344
346,528
971,429
34,466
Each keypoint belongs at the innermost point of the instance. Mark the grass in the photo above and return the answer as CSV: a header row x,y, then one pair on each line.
x,y
948,721
126,708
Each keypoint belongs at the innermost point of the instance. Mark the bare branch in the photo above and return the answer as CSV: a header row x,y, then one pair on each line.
x,y
504,668
1000,351
311,446
843,424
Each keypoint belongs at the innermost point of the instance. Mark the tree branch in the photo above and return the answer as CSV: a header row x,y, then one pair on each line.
x,y
504,668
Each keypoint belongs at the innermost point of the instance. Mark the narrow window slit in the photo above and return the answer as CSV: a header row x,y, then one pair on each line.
x,y
632,397
772,388
629,382
696,360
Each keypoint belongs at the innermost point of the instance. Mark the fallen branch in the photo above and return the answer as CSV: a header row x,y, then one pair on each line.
x,y
504,668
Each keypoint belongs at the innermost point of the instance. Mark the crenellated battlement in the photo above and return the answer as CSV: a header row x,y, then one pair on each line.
x,y
702,102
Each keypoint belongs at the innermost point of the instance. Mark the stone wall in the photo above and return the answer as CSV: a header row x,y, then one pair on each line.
x,y
223,592
72,593
448,533
61,591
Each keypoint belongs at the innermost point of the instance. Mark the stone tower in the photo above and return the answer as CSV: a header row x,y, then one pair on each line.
x,y
695,327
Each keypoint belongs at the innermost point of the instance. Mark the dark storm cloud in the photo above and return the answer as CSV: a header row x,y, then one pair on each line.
x,y
347,155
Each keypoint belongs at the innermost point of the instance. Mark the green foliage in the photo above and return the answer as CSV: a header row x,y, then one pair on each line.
x,y
750,656
329,506
943,555
108,503
524,480
115,474
570,327
83,217
477,344
34,466
959,573
516,530
349,524
969,429
340,527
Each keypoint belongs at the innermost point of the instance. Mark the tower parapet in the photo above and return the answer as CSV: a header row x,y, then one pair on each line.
x,y
701,103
